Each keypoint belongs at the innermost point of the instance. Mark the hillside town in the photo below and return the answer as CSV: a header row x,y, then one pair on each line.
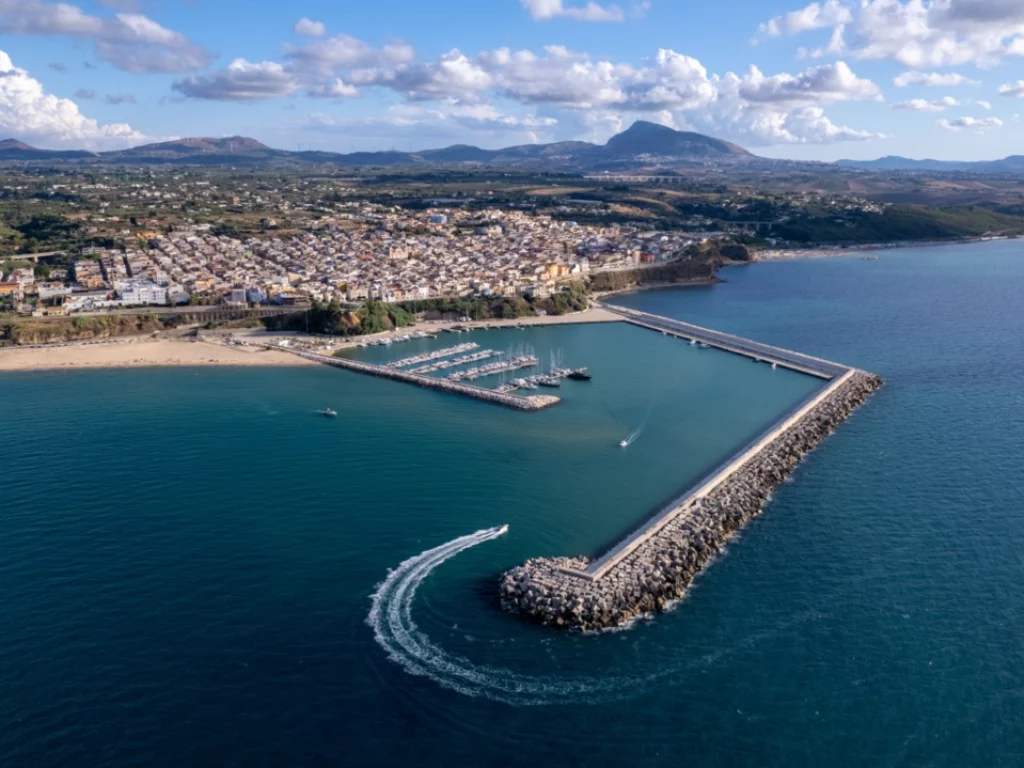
x,y
369,252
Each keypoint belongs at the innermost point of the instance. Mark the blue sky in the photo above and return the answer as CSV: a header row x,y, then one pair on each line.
x,y
864,78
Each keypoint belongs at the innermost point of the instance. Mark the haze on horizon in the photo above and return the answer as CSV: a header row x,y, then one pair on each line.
x,y
922,78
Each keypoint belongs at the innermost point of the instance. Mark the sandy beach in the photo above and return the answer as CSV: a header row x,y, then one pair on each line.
x,y
140,354
148,352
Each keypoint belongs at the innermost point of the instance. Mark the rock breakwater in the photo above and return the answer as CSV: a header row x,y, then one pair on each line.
x,y
659,565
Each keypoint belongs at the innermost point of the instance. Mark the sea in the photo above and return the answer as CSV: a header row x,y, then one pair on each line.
x,y
196,569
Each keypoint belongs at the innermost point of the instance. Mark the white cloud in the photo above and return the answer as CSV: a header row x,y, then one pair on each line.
x,y
814,16
334,89
129,41
543,10
937,33
1013,90
451,75
932,79
28,113
327,55
241,81
915,33
672,88
980,124
830,82
309,28
923,105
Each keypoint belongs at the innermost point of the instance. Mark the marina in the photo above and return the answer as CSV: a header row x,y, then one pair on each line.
x,y
438,355
444,365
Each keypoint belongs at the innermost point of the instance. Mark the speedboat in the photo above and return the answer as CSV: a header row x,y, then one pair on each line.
x,y
329,413
624,443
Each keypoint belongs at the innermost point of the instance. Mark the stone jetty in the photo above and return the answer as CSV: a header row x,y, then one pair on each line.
x,y
655,565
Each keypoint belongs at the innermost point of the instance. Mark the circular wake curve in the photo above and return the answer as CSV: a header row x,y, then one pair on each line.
x,y
395,631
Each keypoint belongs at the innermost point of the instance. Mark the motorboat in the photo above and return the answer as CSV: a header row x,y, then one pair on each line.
x,y
329,413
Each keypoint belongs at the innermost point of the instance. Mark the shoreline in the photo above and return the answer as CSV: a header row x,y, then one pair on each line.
x,y
140,353
597,298
821,252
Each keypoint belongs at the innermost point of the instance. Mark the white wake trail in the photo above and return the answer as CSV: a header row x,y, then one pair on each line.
x,y
396,631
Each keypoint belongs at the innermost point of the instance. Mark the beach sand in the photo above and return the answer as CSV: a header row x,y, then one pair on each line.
x,y
139,354
149,352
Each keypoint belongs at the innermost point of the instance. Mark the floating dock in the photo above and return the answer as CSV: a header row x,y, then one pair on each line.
x,y
531,403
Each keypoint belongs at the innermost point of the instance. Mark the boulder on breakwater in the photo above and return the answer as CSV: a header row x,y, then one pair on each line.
x,y
557,592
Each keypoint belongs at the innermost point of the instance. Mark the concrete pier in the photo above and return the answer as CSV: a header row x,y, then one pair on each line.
x,y
656,564
784,358
531,403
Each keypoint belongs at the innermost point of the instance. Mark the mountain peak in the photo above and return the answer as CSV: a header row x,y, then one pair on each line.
x,y
646,138
15,144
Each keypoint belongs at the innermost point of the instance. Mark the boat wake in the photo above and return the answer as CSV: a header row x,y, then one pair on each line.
x,y
396,631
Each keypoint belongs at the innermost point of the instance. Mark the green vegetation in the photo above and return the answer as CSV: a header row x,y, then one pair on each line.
x,y
51,331
898,223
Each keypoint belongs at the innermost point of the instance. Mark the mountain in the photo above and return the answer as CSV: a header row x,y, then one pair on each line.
x,y
1011,164
644,138
11,149
643,143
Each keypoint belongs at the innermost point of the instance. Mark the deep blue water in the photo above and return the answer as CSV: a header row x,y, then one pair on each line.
x,y
187,557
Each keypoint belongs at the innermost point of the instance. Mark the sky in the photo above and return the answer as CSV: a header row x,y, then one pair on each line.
x,y
832,79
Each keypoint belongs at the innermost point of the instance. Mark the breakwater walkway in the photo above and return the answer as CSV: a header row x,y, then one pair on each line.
x,y
655,564
531,403
784,358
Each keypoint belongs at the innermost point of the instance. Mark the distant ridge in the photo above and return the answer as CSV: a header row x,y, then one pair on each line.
x,y
641,143
1011,164
12,149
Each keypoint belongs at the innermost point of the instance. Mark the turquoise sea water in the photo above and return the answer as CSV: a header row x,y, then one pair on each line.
x,y
188,555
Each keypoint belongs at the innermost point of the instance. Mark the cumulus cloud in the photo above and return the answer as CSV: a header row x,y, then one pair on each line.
x,y
830,14
671,88
1013,90
241,81
937,33
932,79
130,41
923,105
451,75
328,54
543,10
309,28
830,82
980,124
28,113
915,33
333,89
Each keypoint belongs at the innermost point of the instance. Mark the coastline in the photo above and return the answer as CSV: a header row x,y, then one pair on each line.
x,y
140,353
599,297
595,314
788,254
211,350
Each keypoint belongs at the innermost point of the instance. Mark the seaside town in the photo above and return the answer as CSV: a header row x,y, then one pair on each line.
x,y
371,252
